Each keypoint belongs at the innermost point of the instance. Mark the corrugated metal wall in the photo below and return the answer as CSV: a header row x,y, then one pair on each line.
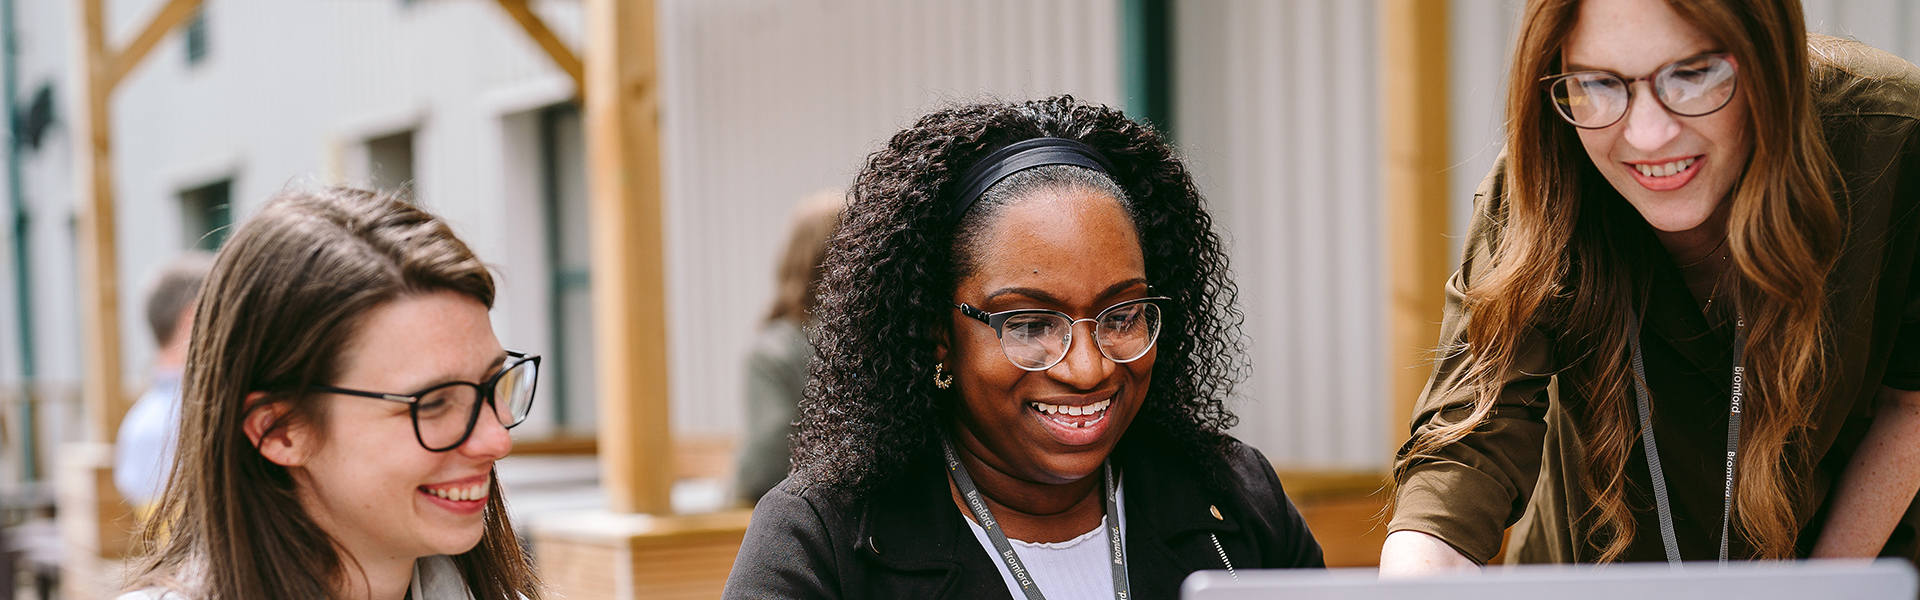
x,y
1276,109
768,100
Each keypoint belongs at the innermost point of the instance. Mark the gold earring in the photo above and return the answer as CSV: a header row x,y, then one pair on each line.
x,y
940,378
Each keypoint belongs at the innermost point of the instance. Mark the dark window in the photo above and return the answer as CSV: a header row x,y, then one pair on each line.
x,y
564,188
35,119
206,215
390,160
196,37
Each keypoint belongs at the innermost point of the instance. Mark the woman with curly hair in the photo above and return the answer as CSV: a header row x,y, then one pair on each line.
x,y
964,436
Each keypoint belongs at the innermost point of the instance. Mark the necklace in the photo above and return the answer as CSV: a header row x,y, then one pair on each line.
x,y
1708,307
1710,254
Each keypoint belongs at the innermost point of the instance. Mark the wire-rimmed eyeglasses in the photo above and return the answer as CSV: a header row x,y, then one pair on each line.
x,y
444,415
1694,86
1037,339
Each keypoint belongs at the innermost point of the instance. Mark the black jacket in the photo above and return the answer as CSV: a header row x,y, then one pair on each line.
x,y
908,540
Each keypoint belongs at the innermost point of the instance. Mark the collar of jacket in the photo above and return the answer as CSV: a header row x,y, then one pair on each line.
x,y
912,524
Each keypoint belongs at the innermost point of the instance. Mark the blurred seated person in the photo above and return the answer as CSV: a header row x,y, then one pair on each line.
x,y
143,452
777,366
341,417
1026,341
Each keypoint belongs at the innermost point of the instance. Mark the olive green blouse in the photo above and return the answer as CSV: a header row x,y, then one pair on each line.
x,y
1521,468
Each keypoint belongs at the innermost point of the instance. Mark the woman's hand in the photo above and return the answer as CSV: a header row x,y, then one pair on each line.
x,y
1409,553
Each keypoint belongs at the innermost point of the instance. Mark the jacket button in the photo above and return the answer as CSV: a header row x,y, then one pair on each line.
x,y
1216,512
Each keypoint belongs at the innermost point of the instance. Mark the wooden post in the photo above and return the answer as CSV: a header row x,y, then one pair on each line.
x,y
170,15
629,255
1414,93
543,35
99,269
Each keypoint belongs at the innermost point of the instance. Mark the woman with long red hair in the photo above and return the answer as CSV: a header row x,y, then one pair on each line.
x,y
1684,324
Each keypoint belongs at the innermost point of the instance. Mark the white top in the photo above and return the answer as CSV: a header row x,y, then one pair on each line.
x,y
434,578
1076,569
143,452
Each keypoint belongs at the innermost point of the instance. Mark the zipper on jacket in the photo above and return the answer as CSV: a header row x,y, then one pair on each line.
x,y
1223,557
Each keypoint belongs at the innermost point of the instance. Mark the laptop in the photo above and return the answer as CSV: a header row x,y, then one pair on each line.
x,y
1884,579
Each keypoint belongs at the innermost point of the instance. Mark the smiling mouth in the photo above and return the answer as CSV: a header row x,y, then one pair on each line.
x,y
1667,176
1073,417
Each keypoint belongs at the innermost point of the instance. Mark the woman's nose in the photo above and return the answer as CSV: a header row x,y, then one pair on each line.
x,y
489,440
1084,367
1649,126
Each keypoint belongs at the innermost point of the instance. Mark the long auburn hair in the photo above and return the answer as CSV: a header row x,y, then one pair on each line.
x,y
283,302
1561,261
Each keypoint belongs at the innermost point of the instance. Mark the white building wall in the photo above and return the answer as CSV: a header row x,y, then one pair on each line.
x,y
288,92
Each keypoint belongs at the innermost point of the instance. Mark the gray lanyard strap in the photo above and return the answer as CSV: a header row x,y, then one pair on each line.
x,y
1653,452
983,516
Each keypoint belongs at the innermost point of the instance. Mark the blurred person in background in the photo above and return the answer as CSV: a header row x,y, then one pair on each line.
x,y
777,366
341,417
143,451
1705,232
962,425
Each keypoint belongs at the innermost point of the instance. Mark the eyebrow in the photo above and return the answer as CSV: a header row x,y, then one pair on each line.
x,y
493,367
1043,296
1573,67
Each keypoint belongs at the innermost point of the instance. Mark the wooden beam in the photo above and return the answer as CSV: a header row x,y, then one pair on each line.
x,y
99,269
543,35
628,253
1414,83
171,15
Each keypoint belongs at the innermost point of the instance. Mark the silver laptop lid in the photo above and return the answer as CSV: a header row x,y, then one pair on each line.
x,y
1885,579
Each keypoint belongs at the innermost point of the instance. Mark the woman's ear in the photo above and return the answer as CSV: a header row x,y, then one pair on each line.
x,y
940,343
284,444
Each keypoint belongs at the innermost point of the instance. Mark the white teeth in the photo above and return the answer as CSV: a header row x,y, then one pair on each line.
x,y
1089,409
476,491
1665,170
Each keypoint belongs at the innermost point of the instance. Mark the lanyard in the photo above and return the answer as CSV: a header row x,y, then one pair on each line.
x,y
1653,454
978,505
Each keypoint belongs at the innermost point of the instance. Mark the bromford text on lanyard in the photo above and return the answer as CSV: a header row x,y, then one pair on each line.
x,y
978,505
1653,453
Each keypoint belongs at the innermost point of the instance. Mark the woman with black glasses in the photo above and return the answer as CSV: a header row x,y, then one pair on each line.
x,y
1687,325
1026,340
345,400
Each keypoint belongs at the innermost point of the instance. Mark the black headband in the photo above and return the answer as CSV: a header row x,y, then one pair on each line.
x,y
1020,156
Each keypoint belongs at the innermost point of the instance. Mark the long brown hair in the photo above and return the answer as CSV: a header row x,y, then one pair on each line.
x,y
282,304
1566,259
797,283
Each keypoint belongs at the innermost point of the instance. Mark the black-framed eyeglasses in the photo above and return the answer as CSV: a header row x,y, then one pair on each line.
x,y
1037,339
1694,86
444,415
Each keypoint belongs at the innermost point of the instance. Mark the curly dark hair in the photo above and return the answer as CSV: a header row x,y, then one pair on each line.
x,y
871,407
